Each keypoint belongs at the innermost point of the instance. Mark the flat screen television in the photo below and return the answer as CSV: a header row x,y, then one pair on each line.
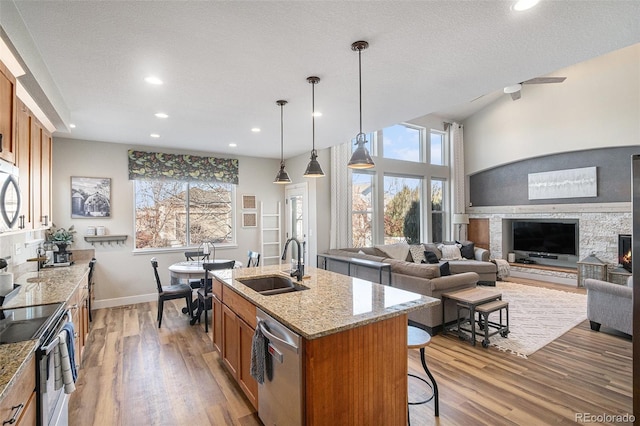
x,y
545,237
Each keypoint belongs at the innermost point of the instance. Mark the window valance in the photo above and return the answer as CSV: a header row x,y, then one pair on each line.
x,y
192,168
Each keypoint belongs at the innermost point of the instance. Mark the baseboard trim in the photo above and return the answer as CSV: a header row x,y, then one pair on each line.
x,y
122,301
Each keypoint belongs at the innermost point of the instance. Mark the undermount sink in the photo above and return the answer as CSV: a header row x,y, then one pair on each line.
x,y
269,285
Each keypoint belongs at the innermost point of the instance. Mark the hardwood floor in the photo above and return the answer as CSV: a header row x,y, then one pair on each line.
x,y
135,374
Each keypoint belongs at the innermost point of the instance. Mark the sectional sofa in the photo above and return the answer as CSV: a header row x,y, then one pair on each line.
x,y
419,277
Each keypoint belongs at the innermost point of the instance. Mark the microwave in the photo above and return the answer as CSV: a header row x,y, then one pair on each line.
x,y
9,196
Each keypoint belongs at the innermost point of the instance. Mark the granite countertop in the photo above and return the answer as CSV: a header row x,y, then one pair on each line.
x,y
54,285
333,302
50,285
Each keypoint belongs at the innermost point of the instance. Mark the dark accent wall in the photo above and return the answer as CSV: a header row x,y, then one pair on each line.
x,y
508,185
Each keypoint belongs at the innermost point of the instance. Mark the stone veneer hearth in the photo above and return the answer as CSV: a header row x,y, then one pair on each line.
x,y
599,226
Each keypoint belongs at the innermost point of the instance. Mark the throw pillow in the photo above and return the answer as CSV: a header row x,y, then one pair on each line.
x,y
467,250
430,257
398,251
444,269
433,248
450,252
417,253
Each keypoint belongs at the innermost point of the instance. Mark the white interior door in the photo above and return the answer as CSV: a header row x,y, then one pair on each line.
x,y
297,217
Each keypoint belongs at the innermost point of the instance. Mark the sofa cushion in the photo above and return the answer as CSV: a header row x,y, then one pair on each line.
x,y
422,270
465,265
417,253
467,249
444,269
399,251
450,252
434,249
430,257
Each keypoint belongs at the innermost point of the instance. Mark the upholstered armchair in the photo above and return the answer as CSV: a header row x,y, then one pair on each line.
x,y
610,305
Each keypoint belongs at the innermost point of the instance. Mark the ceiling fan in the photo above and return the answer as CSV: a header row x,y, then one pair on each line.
x,y
514,90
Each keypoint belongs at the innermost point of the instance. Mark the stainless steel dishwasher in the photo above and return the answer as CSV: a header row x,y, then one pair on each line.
x,y
281,396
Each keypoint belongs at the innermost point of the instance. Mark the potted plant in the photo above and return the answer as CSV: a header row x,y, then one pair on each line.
x,y
61,237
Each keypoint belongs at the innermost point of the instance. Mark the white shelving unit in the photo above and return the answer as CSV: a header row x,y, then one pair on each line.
x,y
270,235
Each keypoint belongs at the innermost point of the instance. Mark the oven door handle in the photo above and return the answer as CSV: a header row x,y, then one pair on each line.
x,y
48,348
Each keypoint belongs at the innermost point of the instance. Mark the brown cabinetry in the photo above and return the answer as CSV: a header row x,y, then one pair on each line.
x,y
78,305
33,159
7,114
19,405
233,325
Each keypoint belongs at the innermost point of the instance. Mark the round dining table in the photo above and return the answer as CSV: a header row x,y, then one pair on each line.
x,y
193,269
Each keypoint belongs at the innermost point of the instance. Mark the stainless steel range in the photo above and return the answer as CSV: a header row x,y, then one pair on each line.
x,y
43,323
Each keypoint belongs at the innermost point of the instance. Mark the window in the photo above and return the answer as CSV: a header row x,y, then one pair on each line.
x,y
436,151
362,209
401,142
179,214
437,210
402,209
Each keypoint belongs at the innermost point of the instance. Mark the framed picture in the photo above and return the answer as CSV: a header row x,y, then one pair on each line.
x,y
249,220
248,202
90,197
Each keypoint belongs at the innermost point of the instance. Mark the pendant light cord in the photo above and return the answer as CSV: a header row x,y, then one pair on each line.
x,y
360,84
281,136
313,116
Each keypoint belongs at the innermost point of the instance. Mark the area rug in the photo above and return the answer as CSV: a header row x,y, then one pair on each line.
x,y
537,316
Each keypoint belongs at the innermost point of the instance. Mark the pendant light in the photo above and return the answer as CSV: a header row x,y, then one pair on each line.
x,y
360,158
313,168
282,176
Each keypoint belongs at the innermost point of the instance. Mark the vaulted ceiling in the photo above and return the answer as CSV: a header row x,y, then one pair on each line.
x,y
225,63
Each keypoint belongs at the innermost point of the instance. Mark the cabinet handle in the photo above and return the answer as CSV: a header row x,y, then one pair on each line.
x,y
21,226
14,418
45,217
74,306
0,142
75,335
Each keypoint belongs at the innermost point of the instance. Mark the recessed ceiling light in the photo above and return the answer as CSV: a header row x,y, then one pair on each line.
x,y
233,145
154,135
73,126
524,5
161,115
255,130
317,114
153,80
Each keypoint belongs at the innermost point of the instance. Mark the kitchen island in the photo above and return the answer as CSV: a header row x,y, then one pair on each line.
x,y
53,285
354,341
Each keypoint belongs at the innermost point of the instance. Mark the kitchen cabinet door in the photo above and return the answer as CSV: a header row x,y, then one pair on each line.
x,y
230,339
8,113
216,323
36,169
45,175
248,384
18,405
23,162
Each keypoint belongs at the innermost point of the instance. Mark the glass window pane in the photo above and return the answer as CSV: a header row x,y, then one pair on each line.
x,y
437,210
160,214
210,213
437,147
401,143
362,209
401,209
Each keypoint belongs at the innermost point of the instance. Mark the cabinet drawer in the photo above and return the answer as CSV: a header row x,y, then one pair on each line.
x,y
241,306
217,289
20,393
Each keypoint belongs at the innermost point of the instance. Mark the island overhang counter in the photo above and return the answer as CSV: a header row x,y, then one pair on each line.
x,y
354,341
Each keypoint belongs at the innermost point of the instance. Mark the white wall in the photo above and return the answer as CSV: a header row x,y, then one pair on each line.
x,y
123,276
597,105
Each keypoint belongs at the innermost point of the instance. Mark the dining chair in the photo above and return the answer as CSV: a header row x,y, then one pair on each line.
x,y
194,256
205,292
176,291
90,285
254,259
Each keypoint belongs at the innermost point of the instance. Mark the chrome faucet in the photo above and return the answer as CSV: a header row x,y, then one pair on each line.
x,y
298,273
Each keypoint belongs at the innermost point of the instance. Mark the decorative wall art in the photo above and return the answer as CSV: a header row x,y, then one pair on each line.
x,y
249,220
570,183
248,202
90,197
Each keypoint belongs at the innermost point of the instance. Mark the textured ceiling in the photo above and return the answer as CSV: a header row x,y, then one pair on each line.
x,y
225,64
